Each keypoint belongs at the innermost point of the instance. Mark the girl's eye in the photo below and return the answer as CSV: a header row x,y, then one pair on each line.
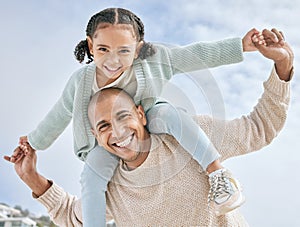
x,y
124,51
102,49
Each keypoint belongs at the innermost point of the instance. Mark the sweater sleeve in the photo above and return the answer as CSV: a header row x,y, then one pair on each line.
x,y
57,118
202,55
253,131
63,209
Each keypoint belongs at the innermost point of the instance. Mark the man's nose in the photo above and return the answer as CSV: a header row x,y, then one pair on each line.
x,y
119,130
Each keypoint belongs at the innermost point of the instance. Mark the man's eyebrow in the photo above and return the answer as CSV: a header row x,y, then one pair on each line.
x,y
100,123
121,112
117,114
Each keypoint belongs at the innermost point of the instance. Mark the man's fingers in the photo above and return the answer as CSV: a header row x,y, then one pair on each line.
x,y
18,154
282,39
273,37
20,157
15,154
270,35
7,158
15,159
279,35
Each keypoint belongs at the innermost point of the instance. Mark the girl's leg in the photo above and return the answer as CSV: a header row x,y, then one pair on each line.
x,y
98,170
165,118
225,192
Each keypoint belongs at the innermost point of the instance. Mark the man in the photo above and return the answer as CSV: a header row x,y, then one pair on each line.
x,y
157,183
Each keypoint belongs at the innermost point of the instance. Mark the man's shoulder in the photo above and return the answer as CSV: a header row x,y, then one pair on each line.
x,y
165,146
163,142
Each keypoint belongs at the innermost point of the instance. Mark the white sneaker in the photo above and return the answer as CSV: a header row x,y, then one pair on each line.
x,y
225,193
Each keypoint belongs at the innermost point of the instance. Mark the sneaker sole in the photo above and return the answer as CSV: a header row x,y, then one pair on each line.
x,y
232,206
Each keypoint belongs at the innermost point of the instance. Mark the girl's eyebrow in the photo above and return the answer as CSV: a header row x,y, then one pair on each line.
x,y
120,47
102,45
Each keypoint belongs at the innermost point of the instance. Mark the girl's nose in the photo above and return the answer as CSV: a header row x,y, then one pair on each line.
x,y
113,57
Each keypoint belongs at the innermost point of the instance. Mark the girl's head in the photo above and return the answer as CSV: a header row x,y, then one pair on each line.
x,y
113,19
114,38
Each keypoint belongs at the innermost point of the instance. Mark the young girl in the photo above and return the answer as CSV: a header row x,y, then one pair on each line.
x,y
118,56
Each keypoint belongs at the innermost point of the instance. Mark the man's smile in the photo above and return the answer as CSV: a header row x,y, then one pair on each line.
x,y
125,142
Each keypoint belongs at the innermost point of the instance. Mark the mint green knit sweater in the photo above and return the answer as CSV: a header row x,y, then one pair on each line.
x,y
151,74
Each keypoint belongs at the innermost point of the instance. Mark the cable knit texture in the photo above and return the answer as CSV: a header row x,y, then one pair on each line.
x,y
151,74
170,188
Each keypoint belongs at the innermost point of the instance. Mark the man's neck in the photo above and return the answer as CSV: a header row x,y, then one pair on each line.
x,y
142,155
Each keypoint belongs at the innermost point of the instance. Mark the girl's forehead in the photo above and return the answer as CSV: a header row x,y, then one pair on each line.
x,y
109,26
124,30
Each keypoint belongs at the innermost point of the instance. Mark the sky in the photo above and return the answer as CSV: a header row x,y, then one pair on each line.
x,y
37,43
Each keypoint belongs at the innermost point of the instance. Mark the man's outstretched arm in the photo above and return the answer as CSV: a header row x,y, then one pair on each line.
x,y
64,209
25,167
257,129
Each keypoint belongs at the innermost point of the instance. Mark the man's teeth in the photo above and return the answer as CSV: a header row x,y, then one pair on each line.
x,y
125,142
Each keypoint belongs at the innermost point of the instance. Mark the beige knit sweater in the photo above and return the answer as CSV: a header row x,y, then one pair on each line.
x,y
170,188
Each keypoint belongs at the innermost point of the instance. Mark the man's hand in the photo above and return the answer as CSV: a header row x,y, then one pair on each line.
x,y
25,167
18,153
280,52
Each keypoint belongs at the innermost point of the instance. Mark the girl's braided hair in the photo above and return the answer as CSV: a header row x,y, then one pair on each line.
x,y
113,16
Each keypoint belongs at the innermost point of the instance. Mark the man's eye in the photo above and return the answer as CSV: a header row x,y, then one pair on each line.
x,y
103,127
123,116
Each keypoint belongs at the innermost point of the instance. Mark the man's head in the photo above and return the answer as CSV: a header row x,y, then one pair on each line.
x,y
119,125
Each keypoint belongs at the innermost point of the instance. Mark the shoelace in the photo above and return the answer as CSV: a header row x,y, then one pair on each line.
x,y
220,184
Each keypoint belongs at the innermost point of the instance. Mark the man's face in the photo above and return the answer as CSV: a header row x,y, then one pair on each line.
x,y
119,126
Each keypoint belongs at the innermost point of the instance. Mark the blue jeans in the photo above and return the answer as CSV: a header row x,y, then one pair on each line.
x,y
98,170
165,118
100,164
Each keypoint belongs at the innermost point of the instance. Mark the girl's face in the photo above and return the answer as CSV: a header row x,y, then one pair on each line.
x,y
114,49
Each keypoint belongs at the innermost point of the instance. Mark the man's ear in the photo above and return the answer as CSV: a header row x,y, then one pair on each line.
x,y
138,49
90,44
93,132
142,115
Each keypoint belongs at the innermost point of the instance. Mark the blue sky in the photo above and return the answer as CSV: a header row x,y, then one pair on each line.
x,y
37,43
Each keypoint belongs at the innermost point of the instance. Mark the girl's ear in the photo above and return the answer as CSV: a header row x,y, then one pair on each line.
x,y
138,48
90,44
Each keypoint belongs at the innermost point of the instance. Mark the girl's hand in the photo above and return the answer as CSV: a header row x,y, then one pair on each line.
x,y
248,45
23,140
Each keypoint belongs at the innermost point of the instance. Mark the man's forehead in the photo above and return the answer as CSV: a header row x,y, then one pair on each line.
x,y
114,103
